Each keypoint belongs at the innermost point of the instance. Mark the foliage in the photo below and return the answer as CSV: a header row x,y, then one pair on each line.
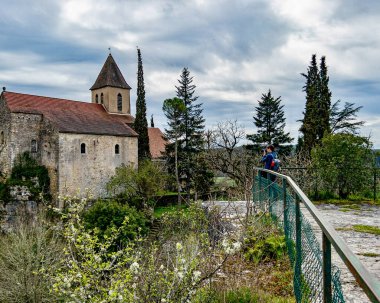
x,y
91,271
309,127
264,242
191,127
344,163
108,215
141,124
320,117
144,182
174,110
344,120
270,123
29,254
268,249
26,171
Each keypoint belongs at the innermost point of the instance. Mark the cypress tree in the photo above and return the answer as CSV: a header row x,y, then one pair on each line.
x,y
324,101
141,123
193,126
309,127
270,123
151,121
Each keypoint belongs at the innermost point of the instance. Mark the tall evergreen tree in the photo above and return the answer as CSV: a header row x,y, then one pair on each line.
x,y
324,104
193,123
309,127
270,122
151,121
141,123
174,110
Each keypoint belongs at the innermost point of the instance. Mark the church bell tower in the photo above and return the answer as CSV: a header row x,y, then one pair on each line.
x,y
111,89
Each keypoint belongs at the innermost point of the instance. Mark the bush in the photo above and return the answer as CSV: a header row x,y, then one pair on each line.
x,y
29,255
264,242
26,171
344,163
138,185
106,215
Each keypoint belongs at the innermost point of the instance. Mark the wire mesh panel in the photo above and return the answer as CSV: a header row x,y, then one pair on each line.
x,y
303,248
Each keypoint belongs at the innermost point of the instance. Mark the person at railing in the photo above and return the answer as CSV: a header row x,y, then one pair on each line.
x,y
267,159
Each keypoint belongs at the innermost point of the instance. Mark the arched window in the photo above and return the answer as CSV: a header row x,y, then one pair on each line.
x,y
101,98
117,149
119,102
33,146
2,140
83,148
96,98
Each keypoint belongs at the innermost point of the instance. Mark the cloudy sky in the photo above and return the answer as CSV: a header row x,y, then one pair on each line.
x,y
236,50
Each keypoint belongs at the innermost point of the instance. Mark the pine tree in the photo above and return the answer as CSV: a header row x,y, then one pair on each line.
x,y
270,122
193,127
141,123
309,127
174,110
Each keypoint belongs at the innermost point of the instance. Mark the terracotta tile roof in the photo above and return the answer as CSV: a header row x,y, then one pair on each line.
x,y
71,116
110,75
156,142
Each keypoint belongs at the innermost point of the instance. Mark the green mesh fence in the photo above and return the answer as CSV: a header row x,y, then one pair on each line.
x,y
268,196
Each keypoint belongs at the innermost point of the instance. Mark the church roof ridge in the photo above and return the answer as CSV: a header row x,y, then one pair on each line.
x,y
110,75
71,116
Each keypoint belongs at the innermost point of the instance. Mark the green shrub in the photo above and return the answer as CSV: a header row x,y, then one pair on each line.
x,y
270,248
26,171
106,214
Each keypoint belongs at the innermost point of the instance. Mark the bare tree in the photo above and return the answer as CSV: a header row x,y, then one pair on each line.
x,y
227,154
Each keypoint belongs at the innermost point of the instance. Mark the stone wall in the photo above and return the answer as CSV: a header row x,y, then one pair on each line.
x,y
5,129
18,208
92,170
24,128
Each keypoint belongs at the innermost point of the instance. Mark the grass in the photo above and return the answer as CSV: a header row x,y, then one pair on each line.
x,y
369,254
159,211
369,229
350,207
351,201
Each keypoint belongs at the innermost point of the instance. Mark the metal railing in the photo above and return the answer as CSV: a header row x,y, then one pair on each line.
x,y
315,278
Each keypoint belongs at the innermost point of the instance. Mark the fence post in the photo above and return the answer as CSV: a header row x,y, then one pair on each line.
x,y
285,207
298,263
375,184
259,190
327,292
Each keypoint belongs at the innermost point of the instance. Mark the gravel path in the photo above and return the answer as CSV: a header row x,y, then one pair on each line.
x,y
360,243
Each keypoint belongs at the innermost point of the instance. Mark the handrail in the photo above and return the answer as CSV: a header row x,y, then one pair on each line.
x,y
365,279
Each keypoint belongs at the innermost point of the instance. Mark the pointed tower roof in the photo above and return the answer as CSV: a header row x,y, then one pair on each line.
x,y
110,75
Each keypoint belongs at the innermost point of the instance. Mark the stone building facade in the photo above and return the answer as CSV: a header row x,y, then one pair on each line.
x,y
80,143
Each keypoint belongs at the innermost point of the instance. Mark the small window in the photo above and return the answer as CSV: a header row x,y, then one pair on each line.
x,y
83,148
96,98
33,146
119,102
101,98
2,140
117,149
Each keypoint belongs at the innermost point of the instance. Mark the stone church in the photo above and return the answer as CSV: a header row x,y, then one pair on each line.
x,y
80,143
